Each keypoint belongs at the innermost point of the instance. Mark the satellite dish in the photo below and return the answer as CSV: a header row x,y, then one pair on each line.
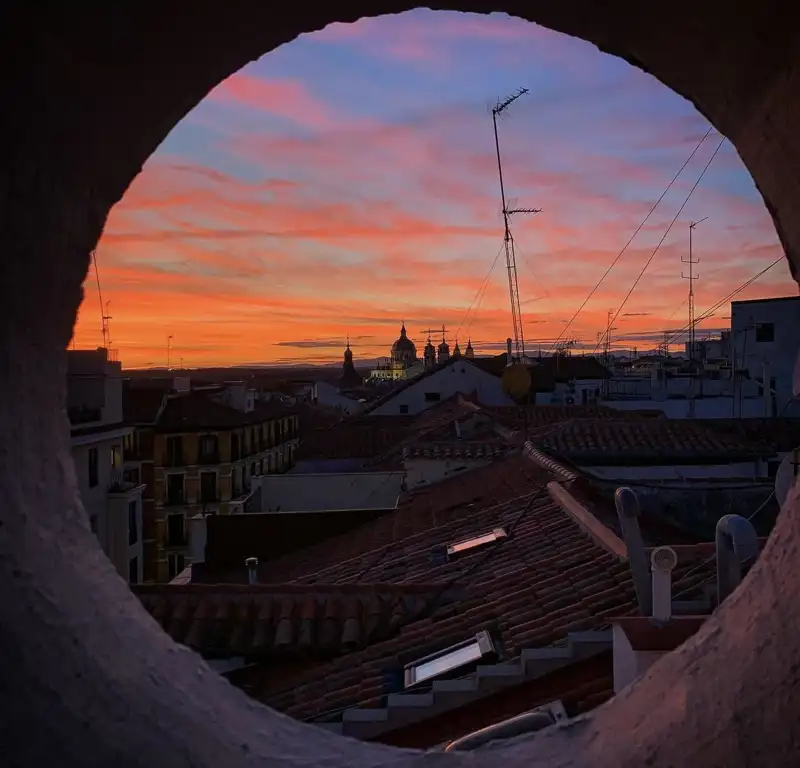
x,y
787,475
516,380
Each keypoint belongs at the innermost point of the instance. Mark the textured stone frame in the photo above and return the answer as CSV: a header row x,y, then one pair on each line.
x,y
86,676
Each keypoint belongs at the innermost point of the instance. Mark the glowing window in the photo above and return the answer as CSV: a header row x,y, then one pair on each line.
x,y
476,541
448,660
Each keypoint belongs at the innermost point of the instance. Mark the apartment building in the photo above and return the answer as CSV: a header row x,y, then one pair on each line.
x,y
206,447
112,500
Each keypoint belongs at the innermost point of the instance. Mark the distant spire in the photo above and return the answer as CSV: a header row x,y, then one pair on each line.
x,y
348,341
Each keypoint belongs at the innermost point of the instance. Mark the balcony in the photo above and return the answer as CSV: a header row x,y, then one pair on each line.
x,y
208,458
175,499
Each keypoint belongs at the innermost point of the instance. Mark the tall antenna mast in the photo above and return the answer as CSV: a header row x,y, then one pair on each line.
x,y
508,240
103,318
691,277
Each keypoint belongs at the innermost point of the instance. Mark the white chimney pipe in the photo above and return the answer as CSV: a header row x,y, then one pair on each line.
x,y
662,561
252,570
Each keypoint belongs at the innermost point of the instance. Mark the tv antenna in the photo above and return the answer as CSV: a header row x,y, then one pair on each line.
x,y
508,240
104,318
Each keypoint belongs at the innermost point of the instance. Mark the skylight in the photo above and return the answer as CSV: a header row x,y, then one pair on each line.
x,y
450,659
476,541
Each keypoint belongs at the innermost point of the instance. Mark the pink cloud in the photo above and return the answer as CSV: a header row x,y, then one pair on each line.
x,y
284,98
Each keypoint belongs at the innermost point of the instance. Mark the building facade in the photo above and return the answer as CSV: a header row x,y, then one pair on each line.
x,y
113,502
205,453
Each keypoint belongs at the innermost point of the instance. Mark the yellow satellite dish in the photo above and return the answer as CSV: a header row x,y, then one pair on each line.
x,y
516,380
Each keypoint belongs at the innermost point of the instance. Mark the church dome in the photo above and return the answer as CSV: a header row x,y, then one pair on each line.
x,y
404,350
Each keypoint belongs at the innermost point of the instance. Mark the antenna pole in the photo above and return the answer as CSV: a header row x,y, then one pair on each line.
x,y
103,318
508,240
691,277
169,349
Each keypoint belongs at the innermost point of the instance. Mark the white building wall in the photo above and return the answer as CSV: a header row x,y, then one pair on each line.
x,y
704,408
780,353
328,396
458,377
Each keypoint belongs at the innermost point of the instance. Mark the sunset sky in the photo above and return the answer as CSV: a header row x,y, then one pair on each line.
x,y
347,181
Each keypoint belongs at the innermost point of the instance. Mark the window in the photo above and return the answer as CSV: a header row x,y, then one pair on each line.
x,y
174,451
235,451
453,658
93,524
208,450
403,409
133,522
176,530
175,565
433,397
93,470
175,489
453,550
208,486
133,570
765,332
116,456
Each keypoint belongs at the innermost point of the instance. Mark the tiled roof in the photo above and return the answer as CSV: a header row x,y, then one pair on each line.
x,y
142,405
645,441
351,440
545,593
518,416
196,410
546,580
231,539
456,449
284,619
375,437
783,434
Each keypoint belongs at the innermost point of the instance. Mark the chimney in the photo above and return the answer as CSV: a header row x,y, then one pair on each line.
x,y
662,560
628,512
737,544
767,390
509,356
252,570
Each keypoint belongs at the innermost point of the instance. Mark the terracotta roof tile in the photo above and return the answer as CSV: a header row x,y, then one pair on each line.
x,y
781,434
545,580
268,620
611,441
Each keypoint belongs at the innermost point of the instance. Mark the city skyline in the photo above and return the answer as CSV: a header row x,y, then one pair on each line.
x,y
347,181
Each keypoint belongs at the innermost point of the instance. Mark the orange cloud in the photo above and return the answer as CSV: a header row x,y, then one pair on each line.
x,y
362,224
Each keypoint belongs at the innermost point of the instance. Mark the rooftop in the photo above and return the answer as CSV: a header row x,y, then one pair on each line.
x,y
647,441
545,585
196,410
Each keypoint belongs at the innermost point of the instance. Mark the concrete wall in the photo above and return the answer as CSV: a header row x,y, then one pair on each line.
x,y
327,395
780,354
328,492
458,377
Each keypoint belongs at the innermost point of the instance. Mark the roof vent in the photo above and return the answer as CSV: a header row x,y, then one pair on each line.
x,y
662,561
252,570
